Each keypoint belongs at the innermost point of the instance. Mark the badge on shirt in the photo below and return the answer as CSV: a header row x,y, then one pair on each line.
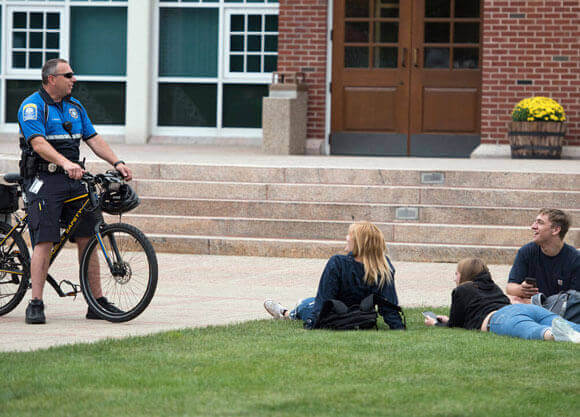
x,y
73,113
29,112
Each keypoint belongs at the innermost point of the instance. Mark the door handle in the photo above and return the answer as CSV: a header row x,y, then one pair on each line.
x,y
404,58
415,56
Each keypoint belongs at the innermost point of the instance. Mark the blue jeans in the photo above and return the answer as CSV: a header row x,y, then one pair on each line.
x,y
303,309
525,321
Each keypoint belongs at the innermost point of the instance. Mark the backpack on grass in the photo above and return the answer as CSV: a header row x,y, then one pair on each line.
x,y
565,304
335,315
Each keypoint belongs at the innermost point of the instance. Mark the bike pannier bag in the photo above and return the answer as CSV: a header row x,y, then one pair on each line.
x,y
8,199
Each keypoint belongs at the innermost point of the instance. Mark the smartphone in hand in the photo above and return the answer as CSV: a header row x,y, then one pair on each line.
x,y
434,317
531,281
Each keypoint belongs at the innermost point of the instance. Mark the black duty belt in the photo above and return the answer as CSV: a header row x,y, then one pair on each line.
x,y
50,167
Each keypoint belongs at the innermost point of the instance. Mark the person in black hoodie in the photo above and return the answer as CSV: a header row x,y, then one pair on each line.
x,y
477,303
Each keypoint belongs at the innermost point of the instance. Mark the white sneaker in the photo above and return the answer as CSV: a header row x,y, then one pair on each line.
x,y
275,309
563,332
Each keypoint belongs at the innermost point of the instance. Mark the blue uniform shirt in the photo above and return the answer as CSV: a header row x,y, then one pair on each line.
x,y
39,115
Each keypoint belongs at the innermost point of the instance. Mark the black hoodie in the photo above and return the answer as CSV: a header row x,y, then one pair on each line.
x,y
472,301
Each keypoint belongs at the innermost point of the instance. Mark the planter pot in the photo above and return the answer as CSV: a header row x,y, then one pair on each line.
x,y
536,139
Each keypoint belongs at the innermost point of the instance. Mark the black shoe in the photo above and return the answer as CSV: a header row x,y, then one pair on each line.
x,y
91,315
35,312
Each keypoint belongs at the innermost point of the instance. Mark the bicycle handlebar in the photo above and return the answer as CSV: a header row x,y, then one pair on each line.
x,y
102,179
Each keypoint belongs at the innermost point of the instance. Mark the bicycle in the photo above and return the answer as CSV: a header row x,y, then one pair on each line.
x,y
129,279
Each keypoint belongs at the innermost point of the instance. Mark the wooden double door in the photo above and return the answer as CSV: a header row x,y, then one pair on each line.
x,y
406,77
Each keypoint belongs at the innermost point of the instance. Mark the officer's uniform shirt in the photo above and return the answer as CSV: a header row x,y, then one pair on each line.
x,y
39,115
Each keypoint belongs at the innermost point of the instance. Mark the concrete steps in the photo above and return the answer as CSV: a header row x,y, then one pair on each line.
x,y
293,211
438,216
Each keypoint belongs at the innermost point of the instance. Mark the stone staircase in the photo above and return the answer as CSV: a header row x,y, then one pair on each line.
x,y
305,212
438,216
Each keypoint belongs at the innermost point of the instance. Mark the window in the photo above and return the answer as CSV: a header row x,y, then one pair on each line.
x,y
34,36
251,42
215,61
90,34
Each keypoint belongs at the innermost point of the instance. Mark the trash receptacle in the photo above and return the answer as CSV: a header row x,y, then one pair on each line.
x,y
284,115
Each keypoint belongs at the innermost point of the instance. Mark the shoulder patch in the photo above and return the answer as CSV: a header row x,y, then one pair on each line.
x,y
73,113
29,112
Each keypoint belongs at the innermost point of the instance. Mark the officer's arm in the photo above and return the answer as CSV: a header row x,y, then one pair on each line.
x,y
104,151
48,153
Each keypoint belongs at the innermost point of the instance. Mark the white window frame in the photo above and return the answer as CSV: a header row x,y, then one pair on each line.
x,y
255,76
35,74
209,134
63,36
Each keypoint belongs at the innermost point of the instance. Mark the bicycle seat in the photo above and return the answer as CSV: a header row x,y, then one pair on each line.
x,y
12,178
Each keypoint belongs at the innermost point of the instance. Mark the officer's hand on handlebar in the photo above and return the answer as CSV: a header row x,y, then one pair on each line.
x,y
73,170
125,172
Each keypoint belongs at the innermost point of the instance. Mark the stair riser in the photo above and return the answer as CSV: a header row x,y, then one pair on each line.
x,y
474,179
291,249
362,194
471,179
497,236
338,211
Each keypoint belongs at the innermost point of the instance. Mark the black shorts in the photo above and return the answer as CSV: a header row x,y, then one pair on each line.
x,y
48,212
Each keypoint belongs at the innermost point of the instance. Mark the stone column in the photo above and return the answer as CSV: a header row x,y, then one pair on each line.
x,y
140,69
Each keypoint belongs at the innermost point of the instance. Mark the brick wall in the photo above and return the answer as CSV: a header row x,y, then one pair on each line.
x,y
302,47
530,48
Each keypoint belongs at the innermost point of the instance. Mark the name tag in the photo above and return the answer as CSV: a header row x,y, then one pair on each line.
x,y
36,186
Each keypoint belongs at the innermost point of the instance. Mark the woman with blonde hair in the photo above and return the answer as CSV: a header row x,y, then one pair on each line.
x,y
478,303
365,270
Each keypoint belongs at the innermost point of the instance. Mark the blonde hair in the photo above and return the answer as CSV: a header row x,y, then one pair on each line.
x,y
469,268
368,244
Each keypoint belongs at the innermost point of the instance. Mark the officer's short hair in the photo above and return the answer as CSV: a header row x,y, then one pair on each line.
x,y
558,218
49,68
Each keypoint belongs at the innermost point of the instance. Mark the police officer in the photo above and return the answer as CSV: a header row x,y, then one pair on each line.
x,y
52,124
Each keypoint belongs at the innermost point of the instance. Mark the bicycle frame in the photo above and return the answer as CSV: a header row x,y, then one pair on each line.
x,y
88,199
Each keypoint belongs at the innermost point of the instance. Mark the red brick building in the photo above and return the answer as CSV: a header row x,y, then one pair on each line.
x,y
428,77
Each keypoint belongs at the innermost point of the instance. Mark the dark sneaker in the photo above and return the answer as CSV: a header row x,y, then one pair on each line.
x,y
91,315
35,312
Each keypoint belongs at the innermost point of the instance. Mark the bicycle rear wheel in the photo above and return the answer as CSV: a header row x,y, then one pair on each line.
x,y
14,269
128,272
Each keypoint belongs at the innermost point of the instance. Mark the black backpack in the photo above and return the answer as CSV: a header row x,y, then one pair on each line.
x,y
335,315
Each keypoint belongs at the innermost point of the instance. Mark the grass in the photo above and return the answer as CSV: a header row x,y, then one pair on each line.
x,y
274,368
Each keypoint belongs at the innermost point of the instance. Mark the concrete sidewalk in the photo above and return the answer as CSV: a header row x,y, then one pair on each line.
x,y
196,291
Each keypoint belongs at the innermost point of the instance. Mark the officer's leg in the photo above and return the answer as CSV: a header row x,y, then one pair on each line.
x,y
94,270
39,267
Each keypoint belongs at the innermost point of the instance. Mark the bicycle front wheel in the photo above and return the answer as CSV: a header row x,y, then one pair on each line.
x,y
126,263
14,269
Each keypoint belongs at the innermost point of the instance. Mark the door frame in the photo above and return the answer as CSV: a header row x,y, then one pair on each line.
x,y
329,57
329,69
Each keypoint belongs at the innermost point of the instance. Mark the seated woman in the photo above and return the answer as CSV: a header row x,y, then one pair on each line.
x,y
478,303
350,278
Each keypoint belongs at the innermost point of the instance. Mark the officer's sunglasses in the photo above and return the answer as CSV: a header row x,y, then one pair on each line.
x,y
64,74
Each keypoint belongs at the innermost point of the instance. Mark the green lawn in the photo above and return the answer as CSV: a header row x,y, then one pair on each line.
x,y
274,368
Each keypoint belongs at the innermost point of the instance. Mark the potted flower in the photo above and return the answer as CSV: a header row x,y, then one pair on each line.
x,y
537,129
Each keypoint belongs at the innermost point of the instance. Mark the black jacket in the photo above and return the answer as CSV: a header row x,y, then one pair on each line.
x,y
472,301
342,280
